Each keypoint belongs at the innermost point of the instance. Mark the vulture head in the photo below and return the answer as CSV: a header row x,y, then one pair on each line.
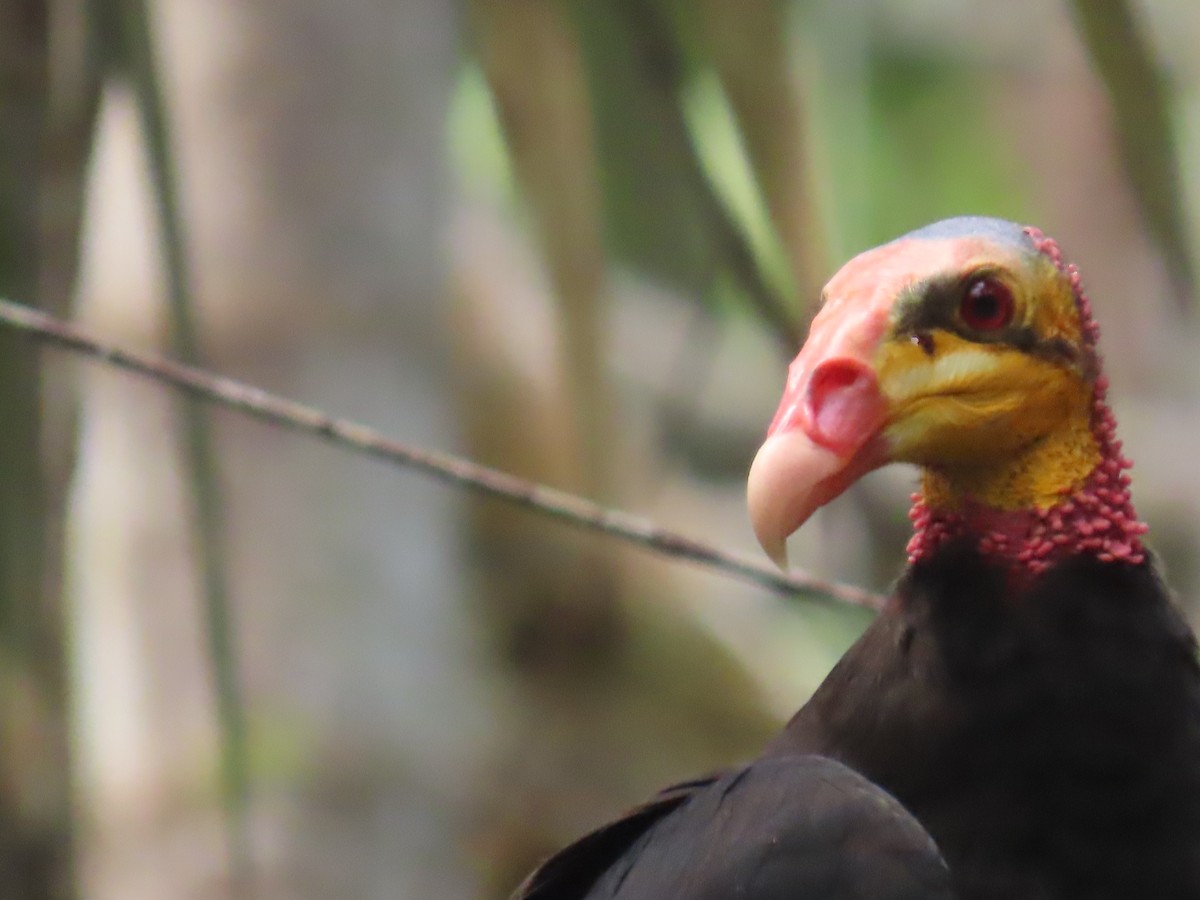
x,y
968,348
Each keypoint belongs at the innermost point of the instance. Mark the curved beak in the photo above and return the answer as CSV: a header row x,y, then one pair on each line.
x,y
826,435
827,432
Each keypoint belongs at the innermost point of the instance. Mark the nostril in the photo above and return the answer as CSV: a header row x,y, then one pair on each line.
x,y
843,403
924,340
837,375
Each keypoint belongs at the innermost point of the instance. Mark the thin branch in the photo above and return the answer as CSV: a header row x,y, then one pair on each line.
x,y
260,404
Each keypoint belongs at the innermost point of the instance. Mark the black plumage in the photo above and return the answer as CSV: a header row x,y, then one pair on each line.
x,y
1048,741
757,831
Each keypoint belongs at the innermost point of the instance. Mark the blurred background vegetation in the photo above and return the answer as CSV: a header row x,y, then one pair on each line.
x,y
575,239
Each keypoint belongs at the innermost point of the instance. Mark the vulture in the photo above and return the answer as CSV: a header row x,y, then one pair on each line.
x,y
1022,719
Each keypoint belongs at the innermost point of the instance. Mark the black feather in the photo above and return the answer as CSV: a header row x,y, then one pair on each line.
x,y
1045,738
782,828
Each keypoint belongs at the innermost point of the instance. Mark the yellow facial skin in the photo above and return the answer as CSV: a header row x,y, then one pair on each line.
x,y
991,423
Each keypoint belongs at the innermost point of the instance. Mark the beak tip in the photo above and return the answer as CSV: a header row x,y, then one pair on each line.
x,y
778,554
784,488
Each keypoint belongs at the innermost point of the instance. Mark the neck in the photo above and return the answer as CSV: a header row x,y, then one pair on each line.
x,y
1065,495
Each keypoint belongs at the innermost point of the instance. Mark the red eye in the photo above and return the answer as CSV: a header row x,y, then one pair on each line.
x,y
987,305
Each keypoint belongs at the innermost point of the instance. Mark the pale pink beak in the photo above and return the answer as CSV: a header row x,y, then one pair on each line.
x,y
826,433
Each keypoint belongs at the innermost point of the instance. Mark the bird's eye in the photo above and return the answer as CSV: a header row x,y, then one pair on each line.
x,y
987,304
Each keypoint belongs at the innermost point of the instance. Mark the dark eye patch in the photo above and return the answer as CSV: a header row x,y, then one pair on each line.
x,y
933,304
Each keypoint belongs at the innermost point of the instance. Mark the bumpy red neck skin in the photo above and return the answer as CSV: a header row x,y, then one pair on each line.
x,y
1096,518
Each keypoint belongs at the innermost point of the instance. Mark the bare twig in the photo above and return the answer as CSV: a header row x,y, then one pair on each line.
x,y
260,404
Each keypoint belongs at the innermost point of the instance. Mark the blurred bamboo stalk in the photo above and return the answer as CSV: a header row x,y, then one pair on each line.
x,y
35,797
748,42
76,71
657,57
134,52
553,598
533,66
76,78
1126,62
